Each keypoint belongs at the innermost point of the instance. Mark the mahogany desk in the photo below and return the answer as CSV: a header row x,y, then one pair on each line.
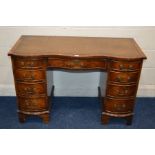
x,y
121,58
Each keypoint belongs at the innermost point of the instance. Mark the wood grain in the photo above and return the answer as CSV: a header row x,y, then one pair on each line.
x,y
77,47
121,58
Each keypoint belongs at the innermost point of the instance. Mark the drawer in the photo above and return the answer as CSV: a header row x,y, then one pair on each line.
x,y
118,105
123,77
24,89
125,65
29,63
32,75
77,63
32,104
114,90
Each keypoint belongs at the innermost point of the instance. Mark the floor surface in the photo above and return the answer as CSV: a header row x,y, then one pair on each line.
x,y
77,113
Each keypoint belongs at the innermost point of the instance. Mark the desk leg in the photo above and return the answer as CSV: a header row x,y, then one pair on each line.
x,y
45,118
22,117
105,119
129,120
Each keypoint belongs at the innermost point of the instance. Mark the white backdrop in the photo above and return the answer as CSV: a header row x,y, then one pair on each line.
x,y
79,84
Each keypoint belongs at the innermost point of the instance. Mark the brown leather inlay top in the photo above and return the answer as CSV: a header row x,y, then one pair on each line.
x,y
77,47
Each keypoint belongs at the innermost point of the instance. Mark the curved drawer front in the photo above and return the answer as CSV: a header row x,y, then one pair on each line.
x,y
29,63
37,75
32,104
125,65
123,77
30,89
118,105
121,90
77,63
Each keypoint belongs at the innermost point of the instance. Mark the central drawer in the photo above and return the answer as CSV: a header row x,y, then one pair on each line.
x,y
77,63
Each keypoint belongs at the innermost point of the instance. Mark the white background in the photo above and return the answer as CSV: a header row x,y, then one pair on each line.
x,y
77,13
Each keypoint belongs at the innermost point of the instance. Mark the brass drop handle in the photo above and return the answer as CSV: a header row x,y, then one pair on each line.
x,y
121,66
118,79
129,78
31,64
121,79
119,107
27,102
29,90
75,63
29,76
123,92
123,105
116,106
22,63
78,63
131,67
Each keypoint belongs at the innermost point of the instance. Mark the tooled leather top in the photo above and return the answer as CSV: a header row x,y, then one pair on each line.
x,y
72,46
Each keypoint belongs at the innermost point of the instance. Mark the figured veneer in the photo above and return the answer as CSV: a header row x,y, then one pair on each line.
x,y
32,104
76,63
30,75
121,58
118,106
26,88
29,63
115,90
124,77
125,65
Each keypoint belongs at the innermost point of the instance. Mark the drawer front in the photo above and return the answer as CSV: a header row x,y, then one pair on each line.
x,y
123,77
125,65
30,89
21,74
121,90
29,63
77,63
118,105
32,104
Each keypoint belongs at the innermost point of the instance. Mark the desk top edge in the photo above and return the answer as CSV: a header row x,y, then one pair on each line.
x,y
140,54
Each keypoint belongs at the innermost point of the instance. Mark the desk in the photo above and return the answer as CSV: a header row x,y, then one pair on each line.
x,y
121,58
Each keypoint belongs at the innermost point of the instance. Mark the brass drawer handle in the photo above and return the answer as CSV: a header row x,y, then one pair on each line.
x,y
131,67
22,63
123,92
75,63
129,78
118,79
29,77
121,66
27,103
121,79
30,103
29,90
30,63
119,107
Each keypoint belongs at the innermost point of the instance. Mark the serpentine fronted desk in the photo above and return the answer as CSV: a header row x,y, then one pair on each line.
x,y
121,58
